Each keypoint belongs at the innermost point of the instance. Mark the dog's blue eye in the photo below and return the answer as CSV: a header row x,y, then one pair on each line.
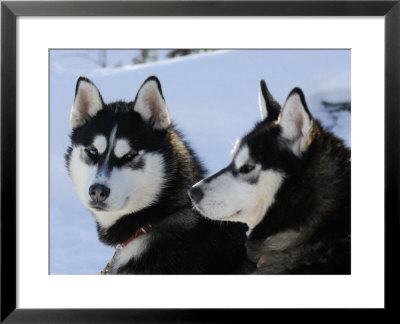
x,y
129,156
92,152
246,168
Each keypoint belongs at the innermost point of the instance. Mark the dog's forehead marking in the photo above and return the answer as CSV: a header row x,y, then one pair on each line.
x,y
100,143
111,141
242,156
121,148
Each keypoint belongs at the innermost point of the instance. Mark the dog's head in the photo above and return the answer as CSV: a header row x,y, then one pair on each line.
x,y
116,159
261,161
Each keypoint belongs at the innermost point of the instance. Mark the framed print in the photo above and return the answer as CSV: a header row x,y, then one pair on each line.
x,y
345,57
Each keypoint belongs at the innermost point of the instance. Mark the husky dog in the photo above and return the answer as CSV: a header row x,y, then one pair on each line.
x,y
131,170
289,181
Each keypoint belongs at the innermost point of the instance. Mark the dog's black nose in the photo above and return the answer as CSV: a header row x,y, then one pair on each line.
x,y
98,192
196,194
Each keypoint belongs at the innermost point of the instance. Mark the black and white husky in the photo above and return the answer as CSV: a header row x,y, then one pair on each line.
x,y
132,170
289,181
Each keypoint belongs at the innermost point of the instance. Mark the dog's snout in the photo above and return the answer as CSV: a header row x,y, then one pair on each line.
x,y
98,192
195,194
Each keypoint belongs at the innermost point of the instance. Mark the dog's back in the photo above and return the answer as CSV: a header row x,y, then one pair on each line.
x,y
312,210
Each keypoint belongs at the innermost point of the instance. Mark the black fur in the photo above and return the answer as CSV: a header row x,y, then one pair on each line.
x,y
273,107
314,200
182,242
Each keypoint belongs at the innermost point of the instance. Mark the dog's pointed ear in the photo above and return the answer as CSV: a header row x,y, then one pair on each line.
x,y
87,102
269,107
296,122
150,104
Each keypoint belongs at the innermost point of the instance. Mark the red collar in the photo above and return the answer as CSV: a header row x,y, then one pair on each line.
x,y
141,231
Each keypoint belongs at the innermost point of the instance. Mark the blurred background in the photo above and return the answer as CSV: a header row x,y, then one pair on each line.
x,y
212,97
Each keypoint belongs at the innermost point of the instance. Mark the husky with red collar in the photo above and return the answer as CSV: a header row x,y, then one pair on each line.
x,y
131,169
289,181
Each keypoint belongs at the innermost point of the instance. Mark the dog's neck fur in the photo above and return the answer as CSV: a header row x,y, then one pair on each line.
x,y
298,221
172,200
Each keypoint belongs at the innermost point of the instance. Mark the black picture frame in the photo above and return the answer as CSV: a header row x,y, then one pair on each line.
x,y
10,10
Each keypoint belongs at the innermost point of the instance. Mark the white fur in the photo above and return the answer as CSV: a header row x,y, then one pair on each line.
x,y
230,198
82,174
100,143
235,147
111,142
133,250
87,103
121,148
151,106
242,157
296,124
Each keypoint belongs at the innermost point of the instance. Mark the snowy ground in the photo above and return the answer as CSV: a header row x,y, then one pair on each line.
x,y
212,98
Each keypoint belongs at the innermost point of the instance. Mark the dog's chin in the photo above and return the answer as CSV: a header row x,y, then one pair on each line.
x,y
109,208
214,216
98,208
232,217
102,208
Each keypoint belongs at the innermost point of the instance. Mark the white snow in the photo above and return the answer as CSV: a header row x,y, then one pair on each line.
x,y
212,98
